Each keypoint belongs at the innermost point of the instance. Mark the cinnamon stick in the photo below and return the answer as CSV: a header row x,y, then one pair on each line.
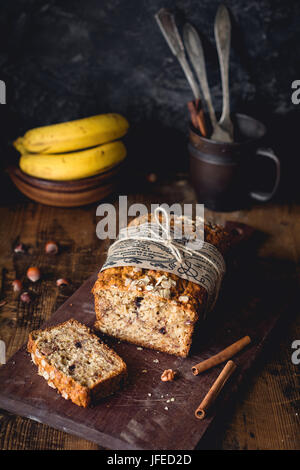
x,y
214,391
222,356
201,122
197,116
193,113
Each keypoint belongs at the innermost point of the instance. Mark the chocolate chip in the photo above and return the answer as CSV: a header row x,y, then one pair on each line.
x,y
71,367
78,344
138,301
162,330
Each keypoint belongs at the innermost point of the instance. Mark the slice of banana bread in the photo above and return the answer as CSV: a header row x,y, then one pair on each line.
x,y
76,362
152,308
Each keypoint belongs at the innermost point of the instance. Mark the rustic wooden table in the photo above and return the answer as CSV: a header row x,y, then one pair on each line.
x,y
266,415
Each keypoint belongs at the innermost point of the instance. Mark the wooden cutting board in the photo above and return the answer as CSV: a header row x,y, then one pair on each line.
x,y
149,413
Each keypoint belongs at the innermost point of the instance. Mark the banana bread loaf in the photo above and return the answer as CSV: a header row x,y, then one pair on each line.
x,y
150,308
76,362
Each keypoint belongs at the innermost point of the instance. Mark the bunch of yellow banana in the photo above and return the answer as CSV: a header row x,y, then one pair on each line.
x,y
75,149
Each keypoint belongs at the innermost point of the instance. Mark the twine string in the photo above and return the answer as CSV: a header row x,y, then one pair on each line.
x,y
167,240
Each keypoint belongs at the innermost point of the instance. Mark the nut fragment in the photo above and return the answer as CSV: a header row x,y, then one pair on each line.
x,y
62,282
33,274
168,375
51,247
48,349
25,297
17,285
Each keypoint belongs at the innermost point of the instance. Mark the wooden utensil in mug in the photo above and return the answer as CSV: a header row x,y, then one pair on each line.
x,y
194,48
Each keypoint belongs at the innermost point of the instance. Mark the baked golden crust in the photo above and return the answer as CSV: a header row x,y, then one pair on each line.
x,y
181,291
68,387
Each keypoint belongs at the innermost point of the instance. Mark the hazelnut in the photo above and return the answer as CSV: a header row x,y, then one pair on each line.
x,y
152,177
25,297
20,248
17,285
62,282
33,274
168,375
51,248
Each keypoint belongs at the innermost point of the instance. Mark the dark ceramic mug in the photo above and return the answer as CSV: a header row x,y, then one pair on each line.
x,y
221,173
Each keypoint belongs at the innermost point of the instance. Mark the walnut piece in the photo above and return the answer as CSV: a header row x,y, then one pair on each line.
x,y
168,375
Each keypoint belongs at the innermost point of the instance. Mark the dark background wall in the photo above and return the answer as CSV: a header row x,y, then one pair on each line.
x,y
64,59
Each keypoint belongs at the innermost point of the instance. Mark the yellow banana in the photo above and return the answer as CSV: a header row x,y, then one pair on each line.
x,y
74,135
73,165
18,144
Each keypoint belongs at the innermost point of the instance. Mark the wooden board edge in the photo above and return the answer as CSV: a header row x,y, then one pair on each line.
x,y
57,422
